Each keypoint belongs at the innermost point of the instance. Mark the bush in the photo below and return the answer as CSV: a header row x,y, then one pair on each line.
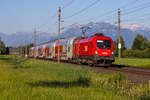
x,y
147,52
119,84
137,53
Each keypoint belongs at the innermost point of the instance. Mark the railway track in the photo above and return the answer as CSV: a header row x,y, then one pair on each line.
x,y
132,70
134,75
122,68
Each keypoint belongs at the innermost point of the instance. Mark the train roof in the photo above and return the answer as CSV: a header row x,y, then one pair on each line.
x,y
67,41
64,41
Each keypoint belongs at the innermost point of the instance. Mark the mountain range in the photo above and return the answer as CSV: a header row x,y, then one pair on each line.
x,y
128,32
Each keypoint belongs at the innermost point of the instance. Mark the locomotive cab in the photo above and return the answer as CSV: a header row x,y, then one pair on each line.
x,y
104,50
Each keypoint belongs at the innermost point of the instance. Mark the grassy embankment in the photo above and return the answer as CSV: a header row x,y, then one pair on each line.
x,y
29,79
137,62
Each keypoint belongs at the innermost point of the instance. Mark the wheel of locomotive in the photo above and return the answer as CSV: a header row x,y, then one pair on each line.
x,y
79,62
90,63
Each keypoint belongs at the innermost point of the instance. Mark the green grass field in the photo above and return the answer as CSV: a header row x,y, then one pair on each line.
x,y
29,79
137,62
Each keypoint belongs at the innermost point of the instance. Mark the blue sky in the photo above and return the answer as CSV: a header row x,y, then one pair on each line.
x,y
24,15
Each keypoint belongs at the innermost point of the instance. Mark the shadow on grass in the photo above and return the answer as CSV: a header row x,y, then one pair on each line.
x,y
13,60
113,65
5,59
81,82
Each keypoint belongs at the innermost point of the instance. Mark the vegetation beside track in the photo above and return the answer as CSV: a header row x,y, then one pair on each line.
x,y
29,79
136,62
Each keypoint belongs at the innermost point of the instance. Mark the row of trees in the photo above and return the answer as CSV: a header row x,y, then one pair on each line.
x,y
20,50
13,50
2,47
140,48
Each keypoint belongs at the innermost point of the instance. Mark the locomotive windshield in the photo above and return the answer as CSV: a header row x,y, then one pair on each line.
x,y
104,44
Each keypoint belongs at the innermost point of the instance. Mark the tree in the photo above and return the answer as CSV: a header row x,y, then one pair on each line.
x,y
140,42
122,46
28,47
2,46
149,45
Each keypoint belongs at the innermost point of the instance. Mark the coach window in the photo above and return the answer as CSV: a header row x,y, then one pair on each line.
x,y
49,53
41,52
68,49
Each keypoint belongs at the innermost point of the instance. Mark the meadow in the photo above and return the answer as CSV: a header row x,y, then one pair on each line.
x,y
135,62
31,79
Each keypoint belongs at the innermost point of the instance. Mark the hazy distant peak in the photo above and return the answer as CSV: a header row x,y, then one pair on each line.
x,y
134,27
74,26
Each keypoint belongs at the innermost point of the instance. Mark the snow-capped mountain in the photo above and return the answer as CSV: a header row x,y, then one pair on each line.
x,y
134,27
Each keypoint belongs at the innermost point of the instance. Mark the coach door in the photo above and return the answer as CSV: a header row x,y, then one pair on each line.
x,y
53,50
70,49
64,52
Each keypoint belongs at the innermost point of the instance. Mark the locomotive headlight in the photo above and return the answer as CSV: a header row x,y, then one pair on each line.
x,y
112,53
96,52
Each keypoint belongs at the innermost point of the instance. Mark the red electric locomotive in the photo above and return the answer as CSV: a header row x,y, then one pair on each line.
x,y
97,50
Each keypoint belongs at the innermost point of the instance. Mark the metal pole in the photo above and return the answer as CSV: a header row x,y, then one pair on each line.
x,y
35,37
119,42
26,51
59,15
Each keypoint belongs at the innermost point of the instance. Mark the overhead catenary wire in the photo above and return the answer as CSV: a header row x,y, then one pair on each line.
x,y
131,11
47,22
135,20
133,7
113,12
68,4
129,4
54,15
82,10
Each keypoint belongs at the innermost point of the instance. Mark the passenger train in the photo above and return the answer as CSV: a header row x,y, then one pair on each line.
x,y
95,50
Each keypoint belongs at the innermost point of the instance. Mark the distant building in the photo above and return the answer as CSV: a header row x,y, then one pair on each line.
x,y
13,51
